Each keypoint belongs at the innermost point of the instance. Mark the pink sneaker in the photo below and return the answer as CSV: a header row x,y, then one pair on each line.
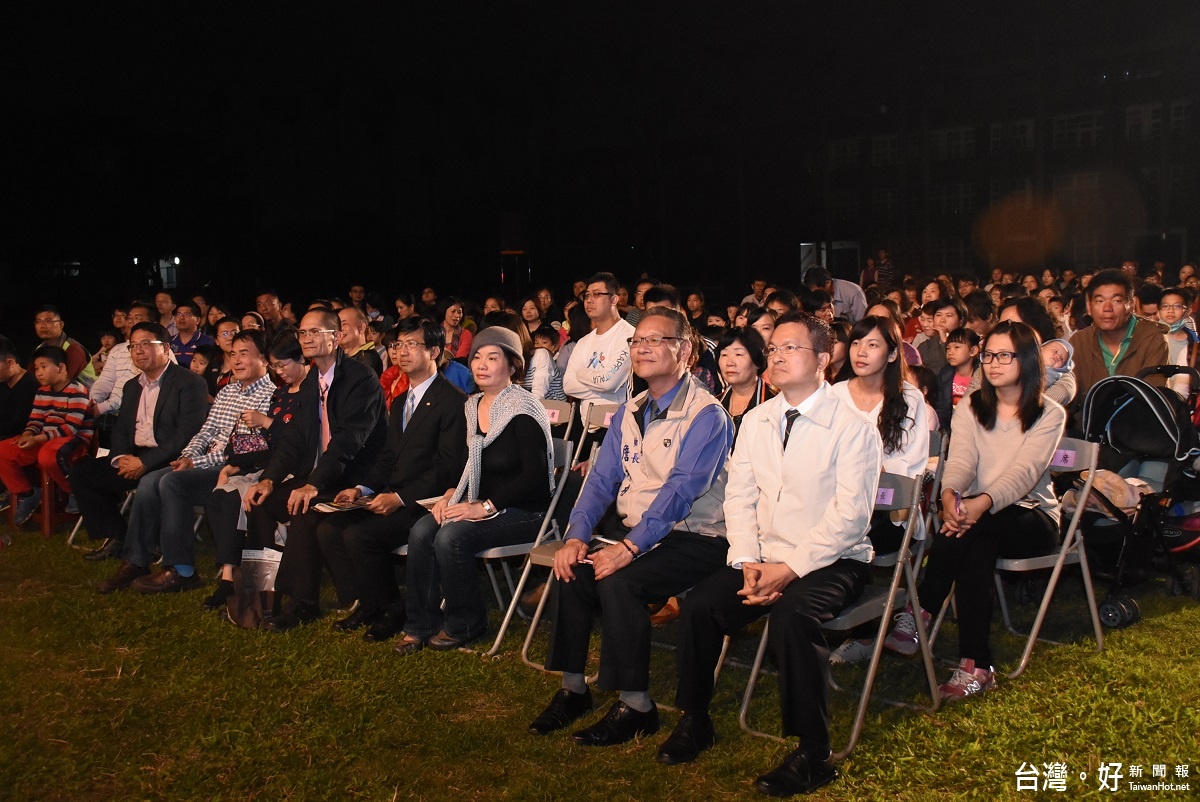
x,y
967,680
903,637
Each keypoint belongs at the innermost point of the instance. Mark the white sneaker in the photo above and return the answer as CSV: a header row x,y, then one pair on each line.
x,y
852,651
967,680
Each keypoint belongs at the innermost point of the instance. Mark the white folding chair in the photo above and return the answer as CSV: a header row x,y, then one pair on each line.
x,y
559,413
596,415
548,531
895,493
1071,456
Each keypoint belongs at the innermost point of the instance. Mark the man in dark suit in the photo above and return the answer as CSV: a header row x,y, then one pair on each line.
x,y
160,412
333,440
425,453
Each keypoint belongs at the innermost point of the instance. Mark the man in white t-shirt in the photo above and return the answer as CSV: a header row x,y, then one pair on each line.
x,y
598,370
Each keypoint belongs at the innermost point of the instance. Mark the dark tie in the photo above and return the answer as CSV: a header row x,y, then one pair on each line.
x,y
790,416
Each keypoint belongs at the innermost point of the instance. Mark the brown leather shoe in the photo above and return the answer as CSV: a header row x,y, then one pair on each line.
x,y
123,578
167,580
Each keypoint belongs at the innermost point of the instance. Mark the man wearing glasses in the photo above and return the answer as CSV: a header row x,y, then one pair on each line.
x,y
333,440
161,410
801,486
598,370
188,336
48,324
162,508
1117,342
663,465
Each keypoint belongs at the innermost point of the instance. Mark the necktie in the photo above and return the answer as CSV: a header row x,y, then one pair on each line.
x,y
410,406
790,416
324,414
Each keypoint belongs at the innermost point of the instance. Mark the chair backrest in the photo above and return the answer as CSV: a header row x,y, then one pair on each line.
x,y
935,444
558,411
1073,455
895,492
563,449
599,415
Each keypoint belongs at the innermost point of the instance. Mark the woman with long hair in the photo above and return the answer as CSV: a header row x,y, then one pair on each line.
x,y
997,499
458,339
531,314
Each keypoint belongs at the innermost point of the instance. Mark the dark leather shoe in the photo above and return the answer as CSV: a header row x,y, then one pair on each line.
x,y
358,619
123,578
693,734
797,774
443,642
409,644
109,548
295,615
386,626
219,597
620,724
168,580
565,707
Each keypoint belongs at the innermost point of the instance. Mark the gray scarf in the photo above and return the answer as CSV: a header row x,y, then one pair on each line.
x,y
512,401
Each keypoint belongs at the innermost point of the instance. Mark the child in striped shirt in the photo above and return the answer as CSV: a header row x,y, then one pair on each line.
x,y
59,418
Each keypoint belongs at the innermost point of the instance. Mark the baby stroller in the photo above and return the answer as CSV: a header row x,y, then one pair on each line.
x,y
1145,432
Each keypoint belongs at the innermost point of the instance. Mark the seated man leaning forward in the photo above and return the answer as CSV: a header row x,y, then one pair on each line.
x,y
802,482
663,463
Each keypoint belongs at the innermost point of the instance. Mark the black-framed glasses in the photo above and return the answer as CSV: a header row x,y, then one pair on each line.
x,y
144,344
787,349
587,296
652,340
1001,357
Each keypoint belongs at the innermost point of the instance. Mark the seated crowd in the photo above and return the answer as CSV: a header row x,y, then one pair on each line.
x,y
741,464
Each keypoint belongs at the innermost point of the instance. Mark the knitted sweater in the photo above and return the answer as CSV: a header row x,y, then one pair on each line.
x,y
61,413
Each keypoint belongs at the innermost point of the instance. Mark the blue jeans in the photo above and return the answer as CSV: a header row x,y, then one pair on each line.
x,y
163,513
441,564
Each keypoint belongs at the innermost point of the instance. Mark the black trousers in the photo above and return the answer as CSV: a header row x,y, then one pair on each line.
x,y
358,546
300,568
680,560
968,562
99,492
222,509
713,610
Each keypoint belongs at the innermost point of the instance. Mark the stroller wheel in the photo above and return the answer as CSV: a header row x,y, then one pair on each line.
x,y
1190,581
1132,613
1118,612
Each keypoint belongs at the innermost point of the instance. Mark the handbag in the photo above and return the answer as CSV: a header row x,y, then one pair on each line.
x,y
247,451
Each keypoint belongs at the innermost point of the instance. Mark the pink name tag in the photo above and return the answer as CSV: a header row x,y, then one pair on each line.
x,y
885,495
552,415
1064,458
608,419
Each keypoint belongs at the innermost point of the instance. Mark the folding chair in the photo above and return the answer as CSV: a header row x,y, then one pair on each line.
x,y
895,493
938,446
596,415
560,413
549,529
124,509
1071,456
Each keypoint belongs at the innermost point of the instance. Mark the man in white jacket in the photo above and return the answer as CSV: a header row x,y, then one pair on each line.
x,y
802,483
598,371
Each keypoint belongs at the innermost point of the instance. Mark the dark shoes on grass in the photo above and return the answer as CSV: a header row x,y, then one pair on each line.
x,y
168,580
693,734
797,774
564,708
125,576
620,724
297,613
108,549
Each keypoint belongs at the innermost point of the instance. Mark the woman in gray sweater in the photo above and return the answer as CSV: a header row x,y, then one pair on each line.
x,y
997,500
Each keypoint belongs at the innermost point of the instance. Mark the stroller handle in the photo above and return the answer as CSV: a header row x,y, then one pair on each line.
x,y
1169,371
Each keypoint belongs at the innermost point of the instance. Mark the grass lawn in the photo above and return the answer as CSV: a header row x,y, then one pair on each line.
x,y
124,697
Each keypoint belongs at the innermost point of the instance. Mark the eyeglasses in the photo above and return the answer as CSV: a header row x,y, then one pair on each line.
x,y
46,321
1173,307
406,345
787,349
652,340
184,313
279,367
1001,357
228,335
142,345
589,296
315,332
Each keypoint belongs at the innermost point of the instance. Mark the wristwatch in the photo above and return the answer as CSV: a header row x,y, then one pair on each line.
x,y
488,507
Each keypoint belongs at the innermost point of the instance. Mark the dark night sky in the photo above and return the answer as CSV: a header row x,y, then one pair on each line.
x,y
303,146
